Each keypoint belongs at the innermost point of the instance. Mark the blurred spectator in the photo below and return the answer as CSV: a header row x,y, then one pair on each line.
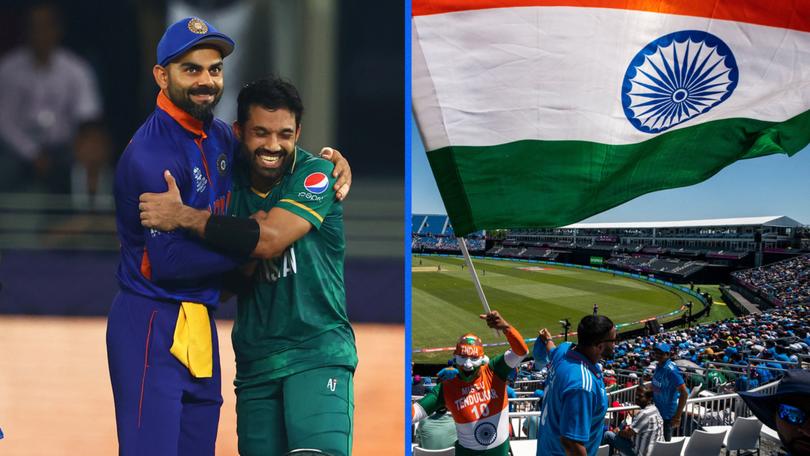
x,y
417,386
786,410
437,432
532,423
669,389
48,91
637,439
91,176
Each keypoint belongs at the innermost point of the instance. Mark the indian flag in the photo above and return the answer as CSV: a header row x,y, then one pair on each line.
x,y
542,113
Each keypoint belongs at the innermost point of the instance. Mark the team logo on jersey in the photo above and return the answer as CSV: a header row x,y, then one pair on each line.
x,y
485,433
222,164
200,182
197,26
316,183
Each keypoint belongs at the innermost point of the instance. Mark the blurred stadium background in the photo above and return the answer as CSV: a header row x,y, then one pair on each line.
x,y
64,122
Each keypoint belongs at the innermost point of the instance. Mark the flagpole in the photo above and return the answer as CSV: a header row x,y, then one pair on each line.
x,y
476,282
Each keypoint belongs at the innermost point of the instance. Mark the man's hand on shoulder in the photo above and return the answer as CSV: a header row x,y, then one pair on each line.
x,y
342,172
166,211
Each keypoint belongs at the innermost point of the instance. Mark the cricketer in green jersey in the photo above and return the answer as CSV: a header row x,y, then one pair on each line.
x,y
294,346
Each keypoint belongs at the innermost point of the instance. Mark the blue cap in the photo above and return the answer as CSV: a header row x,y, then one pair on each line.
x,y
662,347
187,33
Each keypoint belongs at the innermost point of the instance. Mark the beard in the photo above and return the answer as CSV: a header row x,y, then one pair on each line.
x,y
262,176
182,98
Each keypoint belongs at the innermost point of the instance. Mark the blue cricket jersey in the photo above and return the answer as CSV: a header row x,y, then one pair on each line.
x,y
574,405
666,381
173,265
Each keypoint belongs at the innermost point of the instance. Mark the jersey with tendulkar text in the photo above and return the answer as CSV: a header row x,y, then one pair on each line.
x,y
175,265
480,408
574,404
294,319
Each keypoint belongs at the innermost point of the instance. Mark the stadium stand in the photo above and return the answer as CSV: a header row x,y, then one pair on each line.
x,y
681,251
717,360
738,353
731,234
782,283
433,233
730,355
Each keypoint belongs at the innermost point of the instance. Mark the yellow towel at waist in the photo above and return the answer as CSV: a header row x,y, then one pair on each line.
x,y
192,340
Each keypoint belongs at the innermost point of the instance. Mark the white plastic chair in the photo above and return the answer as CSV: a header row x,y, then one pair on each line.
x,y
523,447
743,435
703,443
695,390
604,450
671,448
419,451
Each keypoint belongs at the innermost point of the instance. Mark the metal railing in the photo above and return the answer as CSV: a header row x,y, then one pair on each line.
x,y
524,404
705,411
624,395
528,385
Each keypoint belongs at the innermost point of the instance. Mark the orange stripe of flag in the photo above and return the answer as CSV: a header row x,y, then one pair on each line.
x,y
789,14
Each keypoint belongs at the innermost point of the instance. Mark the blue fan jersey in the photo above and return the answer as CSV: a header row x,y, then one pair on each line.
x,y
666,381
574,404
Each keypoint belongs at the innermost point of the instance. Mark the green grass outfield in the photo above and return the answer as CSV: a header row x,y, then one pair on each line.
x,y
445,304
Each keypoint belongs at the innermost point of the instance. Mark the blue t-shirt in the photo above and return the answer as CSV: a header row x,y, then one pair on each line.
x,y
782,357
666,381
574,405
540,354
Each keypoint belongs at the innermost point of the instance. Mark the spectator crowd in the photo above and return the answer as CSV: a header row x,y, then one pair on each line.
x,y
736,354
786,282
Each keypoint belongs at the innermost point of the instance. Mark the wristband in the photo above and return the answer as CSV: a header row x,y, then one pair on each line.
x,y
234,235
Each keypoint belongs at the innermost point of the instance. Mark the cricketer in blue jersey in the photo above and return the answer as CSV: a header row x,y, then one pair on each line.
x,y
161,336
575,402
669,389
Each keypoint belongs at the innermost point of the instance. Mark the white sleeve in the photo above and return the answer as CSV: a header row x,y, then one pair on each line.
x,y
88,100
419,413
513,359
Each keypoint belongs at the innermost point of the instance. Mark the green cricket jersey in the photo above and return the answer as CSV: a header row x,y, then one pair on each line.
x,y
295,319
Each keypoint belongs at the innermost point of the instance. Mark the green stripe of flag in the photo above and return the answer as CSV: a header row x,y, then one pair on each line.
x,y
535,183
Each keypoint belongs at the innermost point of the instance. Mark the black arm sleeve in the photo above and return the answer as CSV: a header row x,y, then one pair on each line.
x,y
233,235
